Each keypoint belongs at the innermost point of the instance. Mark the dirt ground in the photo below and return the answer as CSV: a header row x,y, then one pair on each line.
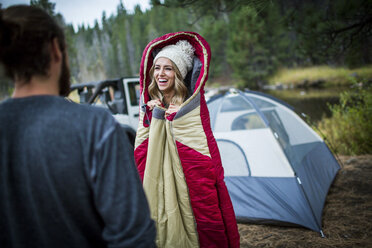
x,y
347,215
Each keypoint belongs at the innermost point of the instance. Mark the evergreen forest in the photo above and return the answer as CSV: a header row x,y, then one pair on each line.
x,y
250,39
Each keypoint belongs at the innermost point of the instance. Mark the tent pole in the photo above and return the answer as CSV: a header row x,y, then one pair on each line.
x,y
307,200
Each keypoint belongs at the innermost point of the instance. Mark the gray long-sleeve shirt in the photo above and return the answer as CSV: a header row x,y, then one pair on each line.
x,y
67,178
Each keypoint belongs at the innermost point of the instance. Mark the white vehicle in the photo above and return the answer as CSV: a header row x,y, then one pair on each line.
x,y
120,96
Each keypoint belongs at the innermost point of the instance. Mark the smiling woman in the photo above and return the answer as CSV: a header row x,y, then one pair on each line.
x,y
171,64
177,156
164,74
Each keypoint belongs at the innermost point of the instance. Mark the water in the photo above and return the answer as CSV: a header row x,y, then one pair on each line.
x,y
314,102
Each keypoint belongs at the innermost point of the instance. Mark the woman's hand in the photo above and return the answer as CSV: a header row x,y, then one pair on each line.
x,y
172,109
151,104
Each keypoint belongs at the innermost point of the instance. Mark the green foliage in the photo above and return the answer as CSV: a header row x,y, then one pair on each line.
x,y
44,4
49,8
249,40
201,7
115,48
245,53
254,49
349,130
215,31
334,31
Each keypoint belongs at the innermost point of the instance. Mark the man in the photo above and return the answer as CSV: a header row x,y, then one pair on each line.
x,y
67,175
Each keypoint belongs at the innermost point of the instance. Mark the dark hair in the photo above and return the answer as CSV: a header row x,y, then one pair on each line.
x,y
26,33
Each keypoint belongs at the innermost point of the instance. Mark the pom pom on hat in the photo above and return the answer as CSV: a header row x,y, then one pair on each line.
x,y
181,54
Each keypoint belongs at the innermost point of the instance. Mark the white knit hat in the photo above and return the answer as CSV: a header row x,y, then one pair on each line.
x,y
181,54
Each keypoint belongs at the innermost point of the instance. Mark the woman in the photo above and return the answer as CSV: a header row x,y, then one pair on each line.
x,y
167,87
176,154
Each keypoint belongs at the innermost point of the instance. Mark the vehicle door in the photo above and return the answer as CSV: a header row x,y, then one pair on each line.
x,y
132,96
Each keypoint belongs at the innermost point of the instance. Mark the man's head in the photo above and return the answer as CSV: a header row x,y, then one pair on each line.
x,y
26,37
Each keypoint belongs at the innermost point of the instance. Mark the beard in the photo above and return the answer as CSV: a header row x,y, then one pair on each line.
x,y
64,79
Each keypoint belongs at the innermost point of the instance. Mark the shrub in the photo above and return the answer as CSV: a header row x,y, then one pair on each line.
x,y
349,130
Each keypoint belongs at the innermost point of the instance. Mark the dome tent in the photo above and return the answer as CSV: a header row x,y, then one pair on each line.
x,y
277,169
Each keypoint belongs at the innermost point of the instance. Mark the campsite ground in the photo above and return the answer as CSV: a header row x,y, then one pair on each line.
x,y
347,215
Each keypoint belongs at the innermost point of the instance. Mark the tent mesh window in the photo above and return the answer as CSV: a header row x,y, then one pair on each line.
x,y
233,158
295,137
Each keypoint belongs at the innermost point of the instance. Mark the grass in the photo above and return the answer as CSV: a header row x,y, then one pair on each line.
x,y
331,76
301,94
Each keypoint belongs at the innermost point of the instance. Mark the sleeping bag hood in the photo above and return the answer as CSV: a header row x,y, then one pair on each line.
x,y
178,160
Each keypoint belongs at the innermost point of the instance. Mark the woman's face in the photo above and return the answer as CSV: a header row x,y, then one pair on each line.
x,y
164,75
